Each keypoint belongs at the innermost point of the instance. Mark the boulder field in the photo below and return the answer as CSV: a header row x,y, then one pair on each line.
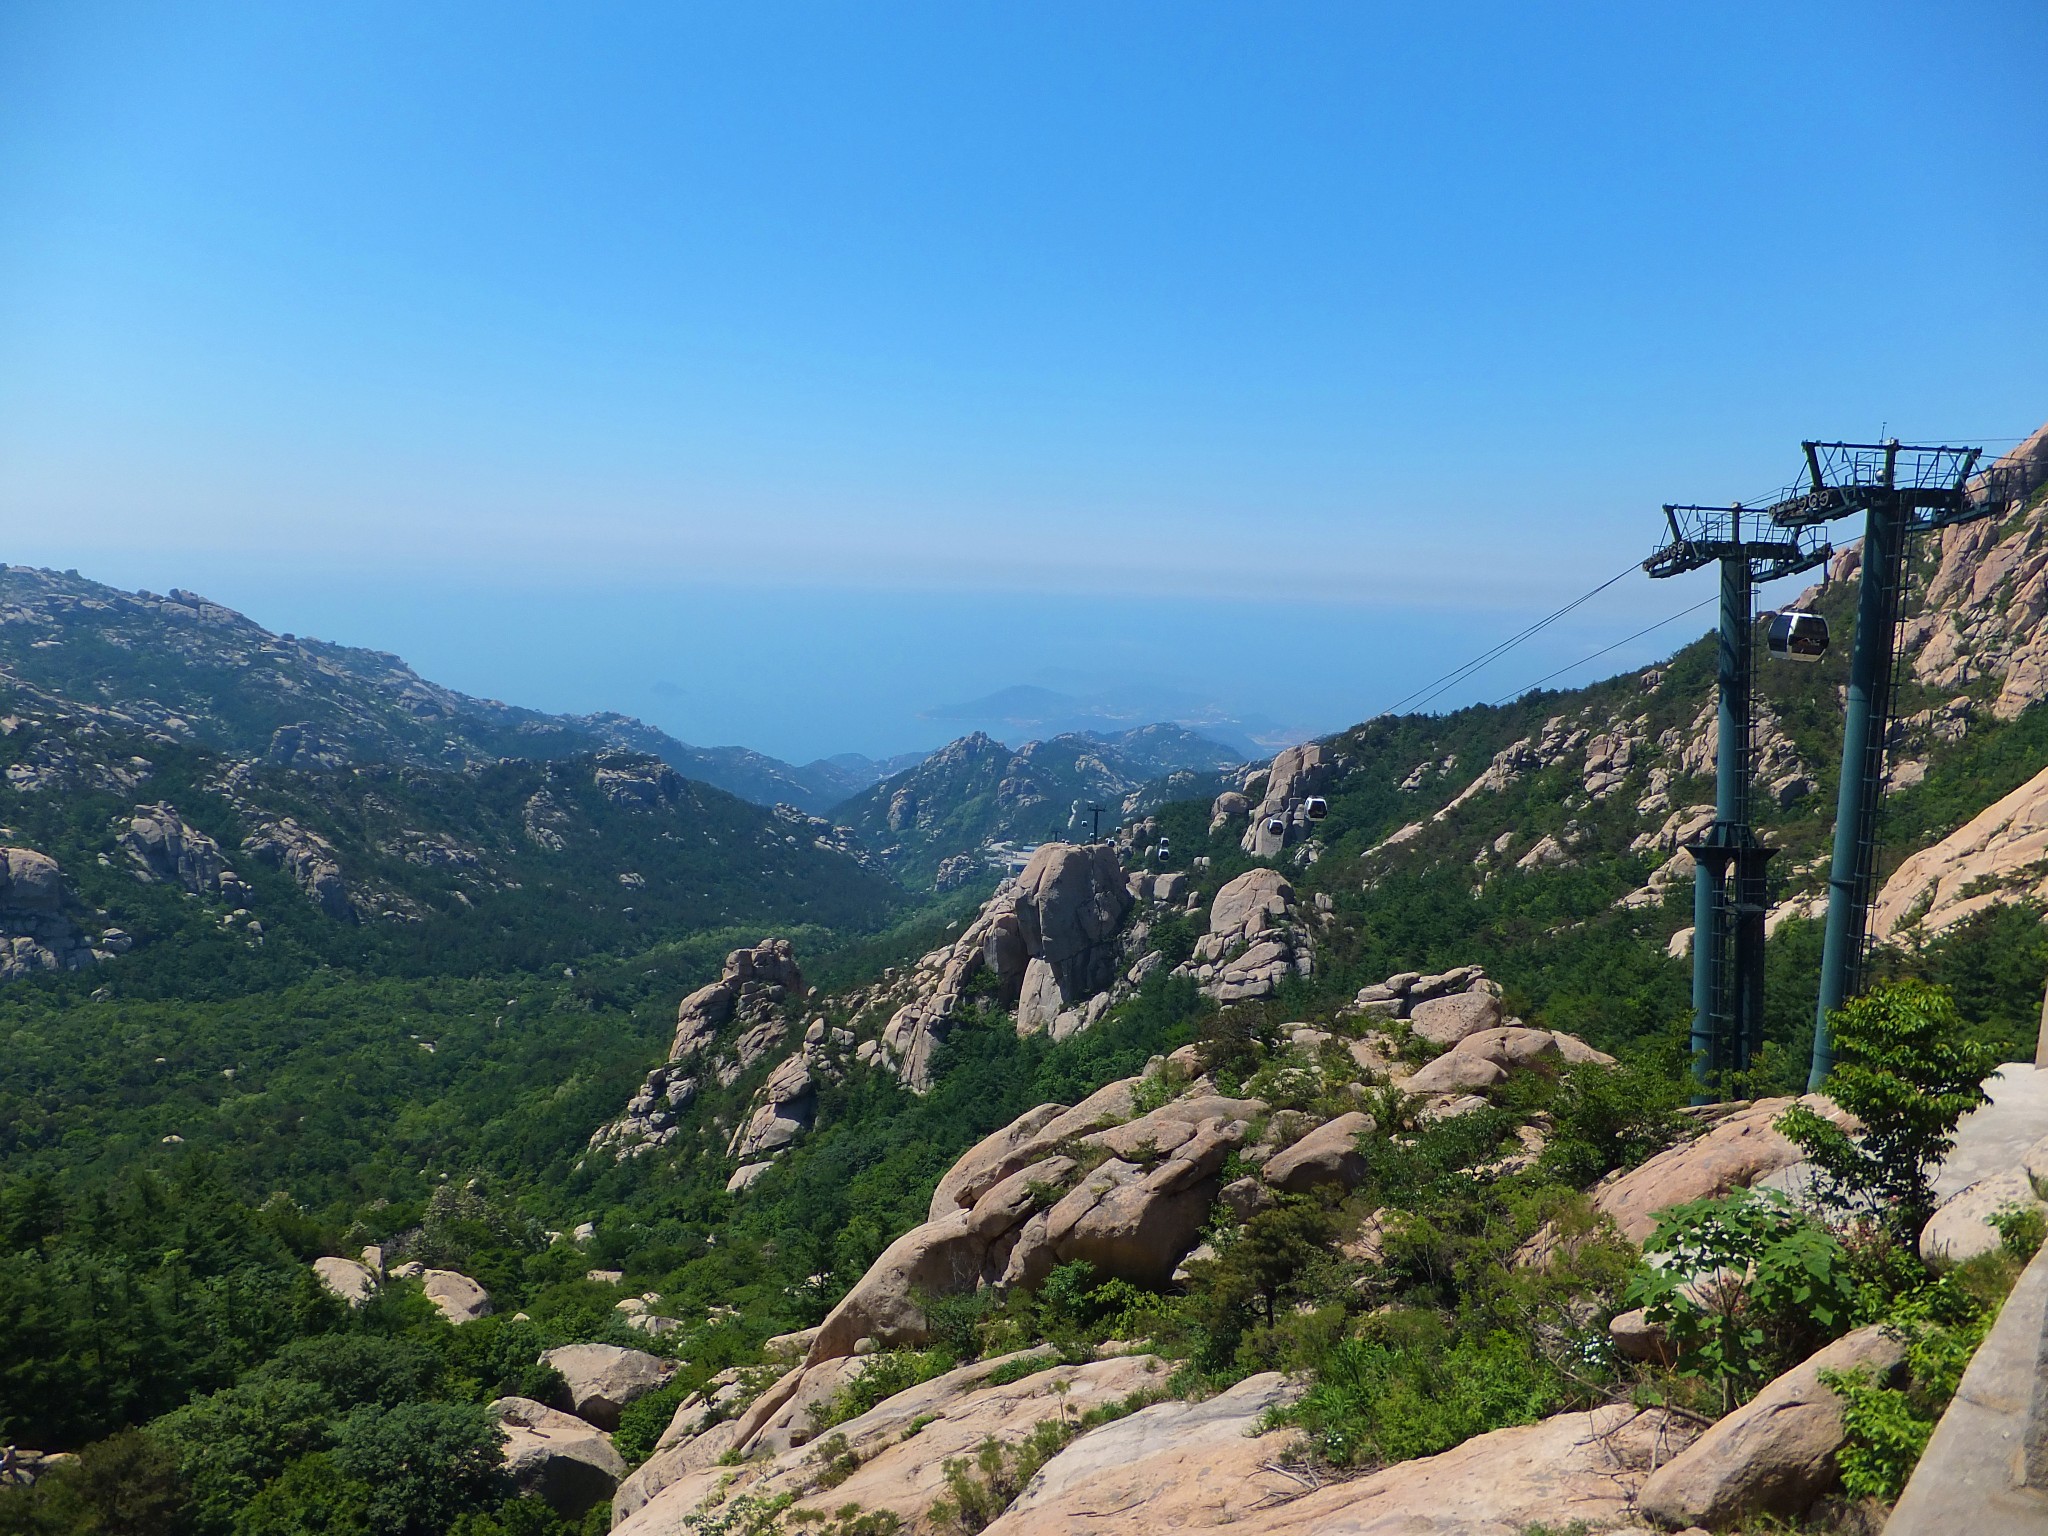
x,y
1130,1179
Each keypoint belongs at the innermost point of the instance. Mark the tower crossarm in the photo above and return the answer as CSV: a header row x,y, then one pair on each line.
x,y
1701,536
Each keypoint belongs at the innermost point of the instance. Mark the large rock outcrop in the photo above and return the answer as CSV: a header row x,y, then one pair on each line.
x,y
556,1456
1742,1147
901,1446
1297,773
1182,1467
1048,938
1019,1210
599,1380
1776,1453
1255,940
35,933
1997,856
752,989
309,859
163,846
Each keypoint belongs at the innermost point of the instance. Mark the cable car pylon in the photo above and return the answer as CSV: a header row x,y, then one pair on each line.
x,y
1901,491
1728,882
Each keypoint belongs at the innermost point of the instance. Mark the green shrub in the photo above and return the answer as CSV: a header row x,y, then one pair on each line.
x,y
879,1378
1908,1071
126,1485
1887,1427
1738,1333
643,1421
1375,1401
2021,1229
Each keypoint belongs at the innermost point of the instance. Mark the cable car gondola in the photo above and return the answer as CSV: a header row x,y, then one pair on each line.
x,y
1317,807
1796,636
1276,826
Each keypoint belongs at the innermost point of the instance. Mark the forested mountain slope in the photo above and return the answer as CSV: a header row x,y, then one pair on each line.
x,y
951,810
1170,1117
180,666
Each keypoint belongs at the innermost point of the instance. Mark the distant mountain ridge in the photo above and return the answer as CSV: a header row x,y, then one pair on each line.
x,y
943,818
183,666
1028,711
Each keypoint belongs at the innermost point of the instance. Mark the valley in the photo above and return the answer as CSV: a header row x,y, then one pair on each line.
x,y
479,1121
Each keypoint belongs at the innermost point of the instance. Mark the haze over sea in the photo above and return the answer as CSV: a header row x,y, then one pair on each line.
x,y
782,374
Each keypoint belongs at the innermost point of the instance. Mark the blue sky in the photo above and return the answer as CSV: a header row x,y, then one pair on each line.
x,y
778,372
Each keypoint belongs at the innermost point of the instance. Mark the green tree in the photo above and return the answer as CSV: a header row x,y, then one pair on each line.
x,y
312,1498
425,1464
1907,1070
126,1485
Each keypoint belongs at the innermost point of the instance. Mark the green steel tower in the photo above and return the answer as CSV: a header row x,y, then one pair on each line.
x,y
1901,491
1728,882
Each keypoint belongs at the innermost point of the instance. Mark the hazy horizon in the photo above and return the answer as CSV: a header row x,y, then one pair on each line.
x,y
780,375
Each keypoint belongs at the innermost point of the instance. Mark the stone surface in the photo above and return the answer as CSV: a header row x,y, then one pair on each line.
x,y
752,987
354,1283
1637,1338
556,1456
1776,1453
1192,1467
1064,910
1326,1155
1997,856
459,1298
1734,1154
1444,1021
902,1444
1961,1227
599,1380
35,933
162,847
1996,1427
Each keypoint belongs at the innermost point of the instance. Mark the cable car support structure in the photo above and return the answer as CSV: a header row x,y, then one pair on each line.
x,y
1902,491
1728,883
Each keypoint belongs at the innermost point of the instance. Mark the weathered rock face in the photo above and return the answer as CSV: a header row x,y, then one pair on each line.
x,y
902,1445
459,1298
752,988
1254,940
1049,940
556,1456
163,847
1010,1210
1446,1021
1181,1467
1296,774
754,983
1776,1453
1961,1228
352,1282
1326,1155
1737,1152
1994,857
35,935
599,1380
309,859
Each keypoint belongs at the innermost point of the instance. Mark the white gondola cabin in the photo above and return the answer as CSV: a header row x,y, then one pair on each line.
x,y
1276,826
1796,636
1317,807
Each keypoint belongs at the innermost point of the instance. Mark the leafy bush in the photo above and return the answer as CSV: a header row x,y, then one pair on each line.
x,y
126,1485
880,1378
1744,1285
425,1464
1378,1400
1908,1072
1887,1427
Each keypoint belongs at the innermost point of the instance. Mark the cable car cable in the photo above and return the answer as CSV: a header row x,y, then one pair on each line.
x,y
1457,675
1595,656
